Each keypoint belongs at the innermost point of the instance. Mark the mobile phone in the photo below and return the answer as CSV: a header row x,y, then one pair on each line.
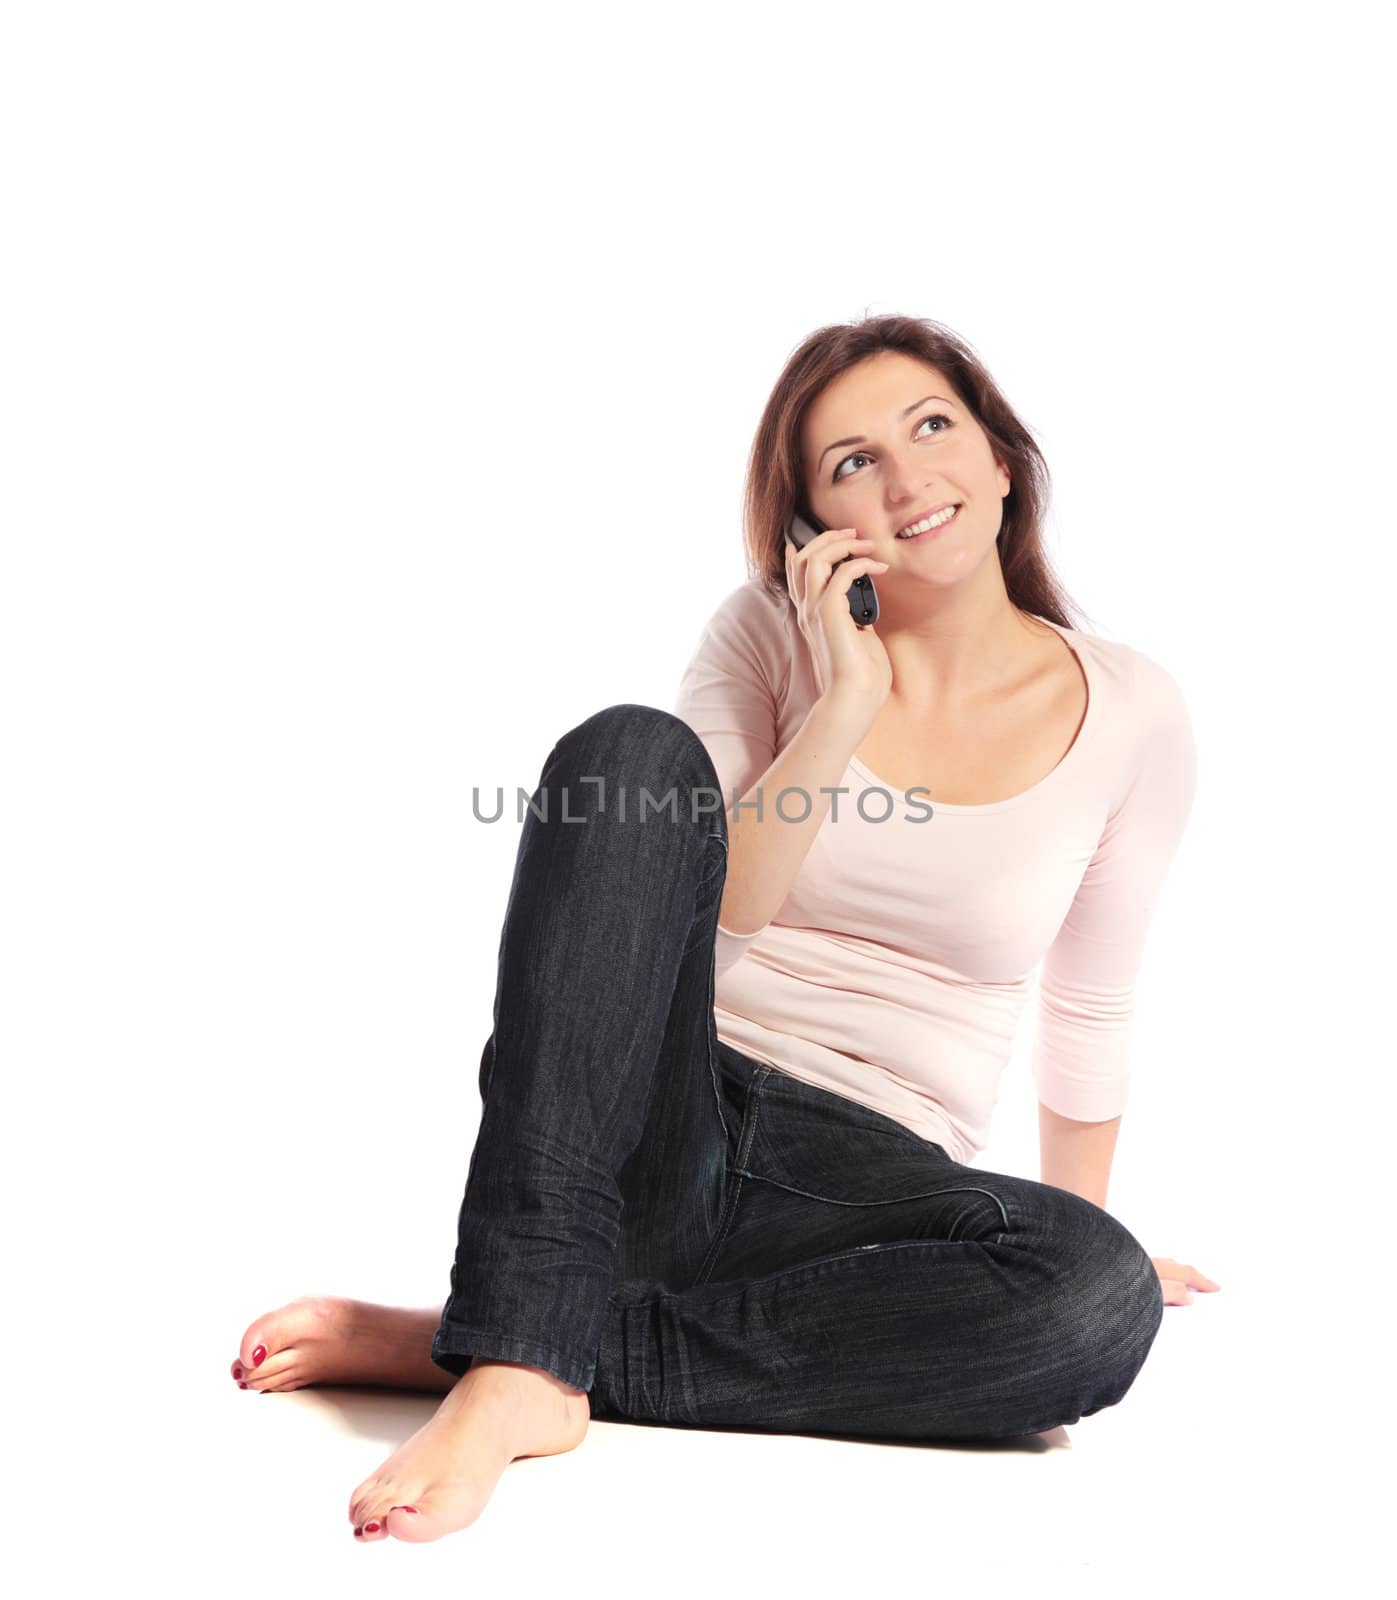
x,y
863,597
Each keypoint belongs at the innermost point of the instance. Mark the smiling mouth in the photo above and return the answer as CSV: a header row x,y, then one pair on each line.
x,y
939,523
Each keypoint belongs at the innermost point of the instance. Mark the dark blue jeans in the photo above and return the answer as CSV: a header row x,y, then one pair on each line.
x,y
698,1239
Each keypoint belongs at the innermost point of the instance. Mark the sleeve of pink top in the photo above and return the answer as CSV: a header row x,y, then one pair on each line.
x,y
727,695
1087,980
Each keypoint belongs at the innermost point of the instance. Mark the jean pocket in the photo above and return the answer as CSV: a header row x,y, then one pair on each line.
x,y
818,1143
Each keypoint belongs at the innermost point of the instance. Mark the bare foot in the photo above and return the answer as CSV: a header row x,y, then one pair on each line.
x,y
324,1339
441,1478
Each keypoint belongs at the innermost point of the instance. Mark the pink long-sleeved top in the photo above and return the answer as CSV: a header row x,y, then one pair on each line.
x,y
897,968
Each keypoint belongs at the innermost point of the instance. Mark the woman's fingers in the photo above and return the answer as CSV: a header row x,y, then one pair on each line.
x,y
1183,1272
831,547
1178,1278
795,574
826,622
837,589
822,555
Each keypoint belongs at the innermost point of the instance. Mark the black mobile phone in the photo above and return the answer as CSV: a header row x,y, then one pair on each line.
x,y
863,597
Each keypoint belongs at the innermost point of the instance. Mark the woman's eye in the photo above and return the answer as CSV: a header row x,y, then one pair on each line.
x,y
934,416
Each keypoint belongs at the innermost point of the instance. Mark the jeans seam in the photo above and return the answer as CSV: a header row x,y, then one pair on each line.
x,y
923,1194
749,1132
710,1031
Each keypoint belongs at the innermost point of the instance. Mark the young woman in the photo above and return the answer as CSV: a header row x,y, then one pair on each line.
x,y
762,966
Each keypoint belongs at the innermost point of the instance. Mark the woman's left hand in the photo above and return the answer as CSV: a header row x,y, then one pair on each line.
x,y
1176,1278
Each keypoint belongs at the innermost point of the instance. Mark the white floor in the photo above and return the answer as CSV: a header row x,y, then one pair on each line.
x,y
1252,1445
1210,1472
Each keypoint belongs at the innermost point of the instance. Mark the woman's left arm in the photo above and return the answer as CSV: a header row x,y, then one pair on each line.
x,y
1087,987
1077,1155
1086,990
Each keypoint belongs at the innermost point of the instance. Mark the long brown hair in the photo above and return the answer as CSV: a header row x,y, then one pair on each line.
x,y
775,483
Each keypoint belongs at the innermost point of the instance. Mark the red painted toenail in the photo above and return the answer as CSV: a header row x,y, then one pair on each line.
x,y
242,1386
358,1533
237,1372
370,1527
259,1355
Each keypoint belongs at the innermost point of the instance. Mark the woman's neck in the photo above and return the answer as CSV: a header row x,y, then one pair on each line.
x,y
959,651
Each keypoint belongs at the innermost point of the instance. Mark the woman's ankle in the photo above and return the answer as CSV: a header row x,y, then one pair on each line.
x,y
482,1363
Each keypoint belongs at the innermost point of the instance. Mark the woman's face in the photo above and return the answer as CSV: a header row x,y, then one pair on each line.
x,y
886,443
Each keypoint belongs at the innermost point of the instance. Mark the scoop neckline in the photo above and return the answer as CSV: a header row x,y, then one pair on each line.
x,y
1073,755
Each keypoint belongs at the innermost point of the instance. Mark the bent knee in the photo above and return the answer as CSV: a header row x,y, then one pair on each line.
x,y
628,720
642,744
1115,1294
1103,1274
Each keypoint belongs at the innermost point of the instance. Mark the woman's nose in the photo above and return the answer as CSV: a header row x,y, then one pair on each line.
x,y
907,494
903,481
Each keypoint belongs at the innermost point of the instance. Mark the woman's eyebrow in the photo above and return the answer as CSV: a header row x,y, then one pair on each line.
x,y
859,438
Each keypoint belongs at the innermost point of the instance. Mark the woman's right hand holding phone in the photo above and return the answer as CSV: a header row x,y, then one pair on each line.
x,y
851,663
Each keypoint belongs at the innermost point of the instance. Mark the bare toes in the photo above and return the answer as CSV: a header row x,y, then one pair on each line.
x,y
399,1522
275,1373
277,1332
407,1522
362,1501
255,1348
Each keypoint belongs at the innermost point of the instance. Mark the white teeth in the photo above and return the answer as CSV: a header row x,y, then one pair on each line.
x,y
929,523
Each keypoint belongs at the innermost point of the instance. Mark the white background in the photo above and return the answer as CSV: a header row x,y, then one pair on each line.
x,y
378,382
